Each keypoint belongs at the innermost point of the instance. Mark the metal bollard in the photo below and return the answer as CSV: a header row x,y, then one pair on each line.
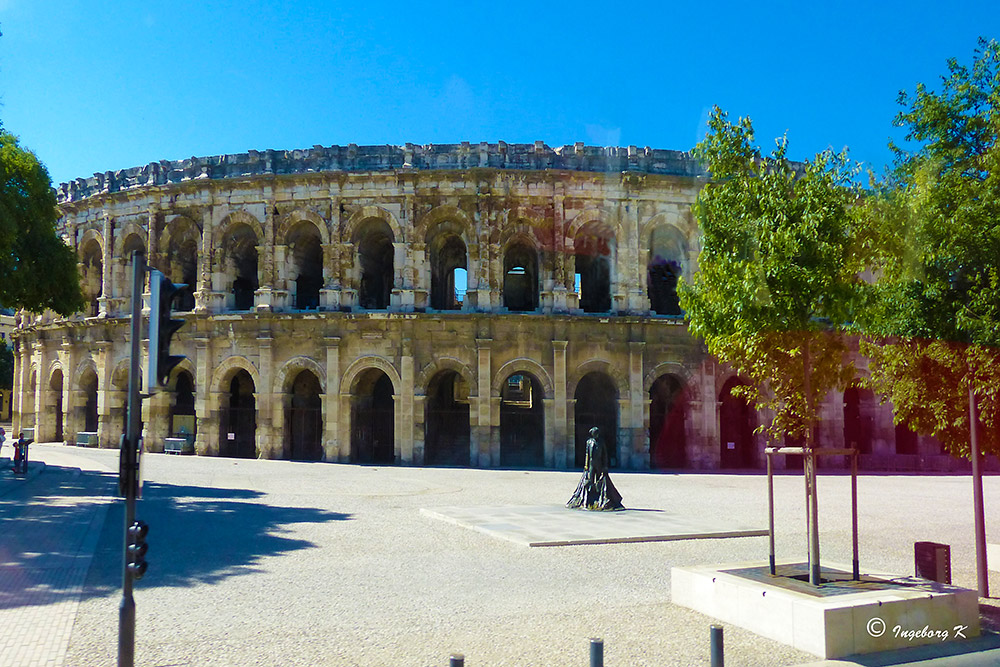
x,y
715,639
596,652
456,660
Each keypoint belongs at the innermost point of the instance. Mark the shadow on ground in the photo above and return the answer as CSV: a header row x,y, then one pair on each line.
x,y
197,534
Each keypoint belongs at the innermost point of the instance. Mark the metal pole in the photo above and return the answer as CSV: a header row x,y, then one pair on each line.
x,y
596,652
716,657
126,609
982,573
456,660
854,513
814,566
770,512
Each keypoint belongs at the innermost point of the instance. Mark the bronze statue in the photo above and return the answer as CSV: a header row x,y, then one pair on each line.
x,y
595,490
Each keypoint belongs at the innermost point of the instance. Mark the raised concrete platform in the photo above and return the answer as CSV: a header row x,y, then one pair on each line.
x,y
880,613
555,525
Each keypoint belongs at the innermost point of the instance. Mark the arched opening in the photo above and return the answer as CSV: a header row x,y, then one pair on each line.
x,y
446,420
133,243
666,260
182,266
736,425
182,414
593,268
520,278
56,387
668,407
239,419
373,419
522,422
92,278
858,419
88,387
306,258
304,419
448,256
906,440
375,255
596,405
240,265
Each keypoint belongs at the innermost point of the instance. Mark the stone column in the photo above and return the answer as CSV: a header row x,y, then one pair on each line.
x,y
264,297
41,413
482,423
71,420
329,295
548,406
406,453
638,457
332,450
560,431
204,423
106,272
267,399
561,285
106,436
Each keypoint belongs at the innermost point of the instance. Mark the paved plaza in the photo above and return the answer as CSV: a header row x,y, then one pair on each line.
x,y
283,563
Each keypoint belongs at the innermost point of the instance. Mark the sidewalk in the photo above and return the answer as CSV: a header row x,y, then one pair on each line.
x,y
51,519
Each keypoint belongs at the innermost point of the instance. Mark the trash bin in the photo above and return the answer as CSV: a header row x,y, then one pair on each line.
x,y
932,561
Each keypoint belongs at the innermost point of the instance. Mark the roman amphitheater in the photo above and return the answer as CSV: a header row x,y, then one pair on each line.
x,y
466,304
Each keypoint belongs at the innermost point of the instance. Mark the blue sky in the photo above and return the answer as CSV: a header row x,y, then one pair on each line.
x,y
103,86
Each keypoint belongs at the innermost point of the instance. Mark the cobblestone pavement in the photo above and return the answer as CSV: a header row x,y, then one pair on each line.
x,y
283,563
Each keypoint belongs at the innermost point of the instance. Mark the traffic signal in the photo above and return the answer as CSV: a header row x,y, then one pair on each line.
x,y
161,328
137,549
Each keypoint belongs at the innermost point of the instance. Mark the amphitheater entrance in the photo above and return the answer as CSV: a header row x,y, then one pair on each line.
x,y
520,280
446,419
596,405
736,425
56,387
668,408
182,416
666,253
304,419
373,419
238,422
522,422
307,264
240,251
448,257
88,387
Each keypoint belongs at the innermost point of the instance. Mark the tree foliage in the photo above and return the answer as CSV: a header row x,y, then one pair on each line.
x,y
37,270
6,366
934,320
776,280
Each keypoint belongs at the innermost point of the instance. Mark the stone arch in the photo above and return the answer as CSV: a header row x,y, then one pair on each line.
x,y
521,365
119,376
681,371
87,237
683,223
290,369
122,237
523,229
593,215
367,213
293,218
229,367
234,219
182,226
453,217
54,365
361,364
613,371
445,364
84,366
185,365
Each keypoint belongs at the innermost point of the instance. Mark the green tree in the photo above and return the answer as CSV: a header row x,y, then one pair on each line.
x,y
37,270
6,366
934,323
776,280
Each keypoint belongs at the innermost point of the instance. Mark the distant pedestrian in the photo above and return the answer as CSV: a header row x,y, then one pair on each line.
x,y
3,436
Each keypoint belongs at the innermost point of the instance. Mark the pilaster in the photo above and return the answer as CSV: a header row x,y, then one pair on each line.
x,y
560,426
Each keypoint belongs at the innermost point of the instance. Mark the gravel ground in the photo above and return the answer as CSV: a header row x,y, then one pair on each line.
x,y
282,563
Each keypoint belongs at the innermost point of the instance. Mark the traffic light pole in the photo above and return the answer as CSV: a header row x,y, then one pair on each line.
x,y
126,609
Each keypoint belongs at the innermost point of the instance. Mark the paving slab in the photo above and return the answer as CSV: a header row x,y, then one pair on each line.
x,y
555,525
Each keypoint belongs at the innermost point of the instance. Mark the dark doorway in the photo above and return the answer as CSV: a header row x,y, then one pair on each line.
x,y
375,254
736,424
182,416
304,419
666,254
593,253
239,419
372,419
596,405
56,385
667,412
906,440
241,248
858,419
88,384
307,264
446,419
522,422
447,256
520,281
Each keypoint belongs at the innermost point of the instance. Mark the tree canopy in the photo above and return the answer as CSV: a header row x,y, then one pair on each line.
x,y
37,270
776,278
934,321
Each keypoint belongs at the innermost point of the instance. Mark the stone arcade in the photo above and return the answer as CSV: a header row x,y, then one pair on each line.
x,y
472,305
